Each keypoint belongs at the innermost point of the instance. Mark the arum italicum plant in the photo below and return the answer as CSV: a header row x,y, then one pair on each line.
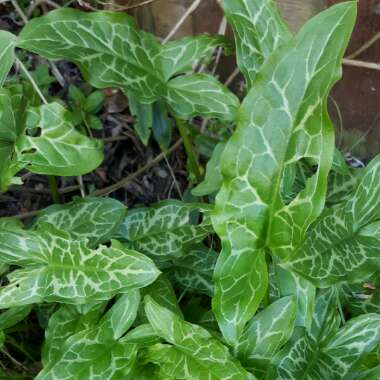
x,y
284,282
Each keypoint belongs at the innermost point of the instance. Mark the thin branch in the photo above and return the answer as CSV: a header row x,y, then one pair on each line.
x,y
232,77
21,13
363,64
176,184
222,30
365,46
114,139
122,183
120,8
189,11
32,81
37,3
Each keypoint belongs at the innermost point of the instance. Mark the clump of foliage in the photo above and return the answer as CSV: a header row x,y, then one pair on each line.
x,y
280,296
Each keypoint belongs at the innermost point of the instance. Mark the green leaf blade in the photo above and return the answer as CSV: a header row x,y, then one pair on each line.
x,y
109,49
191,348
282,120
177,57
95,219
67,271
201,95
7,54
60,150
349,251
259,30
266,333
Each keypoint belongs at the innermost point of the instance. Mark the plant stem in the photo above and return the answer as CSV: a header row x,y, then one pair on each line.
x,y
54,188
194,167
52,180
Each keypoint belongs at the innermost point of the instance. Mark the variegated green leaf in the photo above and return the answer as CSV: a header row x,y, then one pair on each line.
x,y
17,246
344,244
107,47
7,53
201,95
326,320
371,374
193,353
266,333
290,283
163,230
12,125
340,186
143,335
179,56
88,357
61,269
282,120
97,352
60,149
213,177
325,353
359,336
193,272
120,317
64,323
95,219
163,293
115,53
259,31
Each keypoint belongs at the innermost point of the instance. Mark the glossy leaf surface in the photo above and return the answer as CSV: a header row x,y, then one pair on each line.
x,y
259,30
60,269
95,219
344,244
7,53
282,120
60,149
163,230
193,353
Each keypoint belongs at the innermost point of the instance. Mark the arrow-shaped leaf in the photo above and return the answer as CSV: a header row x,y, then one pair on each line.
x,y
64,323
61,269
163,230
60,149
107,47
193,353
325,353
97,352
344,244
266,333
95,219
201,94
282,120
259,30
